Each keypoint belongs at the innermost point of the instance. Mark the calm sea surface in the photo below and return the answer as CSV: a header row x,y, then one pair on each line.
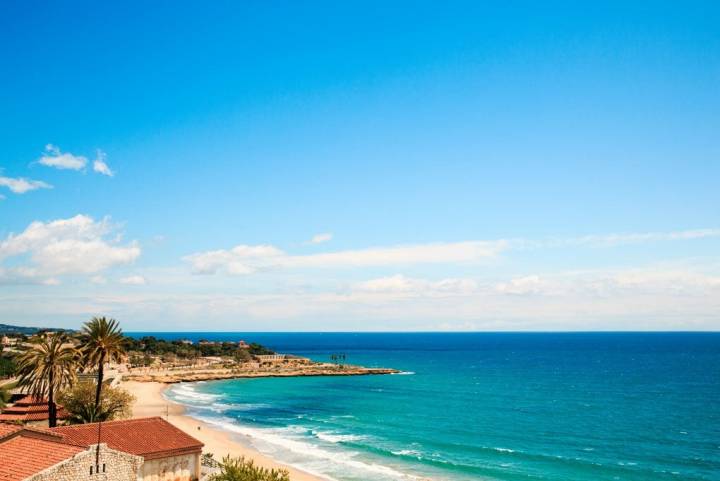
x,y
485,406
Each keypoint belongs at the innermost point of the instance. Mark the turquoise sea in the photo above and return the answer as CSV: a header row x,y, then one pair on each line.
x,y
483,406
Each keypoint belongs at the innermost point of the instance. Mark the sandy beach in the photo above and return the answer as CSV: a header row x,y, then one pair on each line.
x,y
150,402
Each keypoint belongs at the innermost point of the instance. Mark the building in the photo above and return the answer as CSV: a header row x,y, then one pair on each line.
x,y
30,409
243,345
35,454
167,452
270,357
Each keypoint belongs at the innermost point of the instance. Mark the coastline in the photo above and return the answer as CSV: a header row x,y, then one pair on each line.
x,y
151,402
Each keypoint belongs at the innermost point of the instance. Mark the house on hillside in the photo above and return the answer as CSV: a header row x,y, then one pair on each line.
x,y
36,454
167,452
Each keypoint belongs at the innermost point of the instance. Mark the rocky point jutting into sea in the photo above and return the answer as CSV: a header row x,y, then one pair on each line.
x,y
280,366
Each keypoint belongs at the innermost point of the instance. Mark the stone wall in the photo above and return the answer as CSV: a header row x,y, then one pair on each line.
x,y
175,468
118,466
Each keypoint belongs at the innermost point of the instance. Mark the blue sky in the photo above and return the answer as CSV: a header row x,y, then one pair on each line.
x,y
465,166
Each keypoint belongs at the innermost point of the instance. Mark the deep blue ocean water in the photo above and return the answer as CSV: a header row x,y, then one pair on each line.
x,y
483,406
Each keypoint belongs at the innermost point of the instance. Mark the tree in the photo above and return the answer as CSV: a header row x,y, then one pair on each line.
x,y
102,342
79,402
242,355
240,469
47,367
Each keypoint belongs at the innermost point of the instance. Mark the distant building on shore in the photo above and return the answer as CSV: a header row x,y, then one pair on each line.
x,y
270,357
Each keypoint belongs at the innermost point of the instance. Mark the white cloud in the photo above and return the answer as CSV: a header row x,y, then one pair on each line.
x,y
245,259
521,285
320,238
51,282
100,165
20,185
98,280
242,259
133,280
78,245
406,285
54,158
614,240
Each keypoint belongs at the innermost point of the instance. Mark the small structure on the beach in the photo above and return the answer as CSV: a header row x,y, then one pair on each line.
x,y
243,345
167,452
29,410
37,454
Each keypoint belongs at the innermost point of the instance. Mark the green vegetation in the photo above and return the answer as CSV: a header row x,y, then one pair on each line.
x,y
8,367
102,341
48,367
79,402
240,469
151,346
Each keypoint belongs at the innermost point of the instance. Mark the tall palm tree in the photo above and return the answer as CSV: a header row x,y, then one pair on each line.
x,y
102,342
47,367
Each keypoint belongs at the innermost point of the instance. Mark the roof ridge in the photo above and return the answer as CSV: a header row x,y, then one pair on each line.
x,y
105,423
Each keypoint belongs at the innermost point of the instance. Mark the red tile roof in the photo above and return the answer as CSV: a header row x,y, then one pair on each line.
x,y
30,409
24,456
31,401
151,438
9,430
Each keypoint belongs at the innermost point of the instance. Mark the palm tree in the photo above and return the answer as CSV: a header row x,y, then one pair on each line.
x,y
102,342
46,368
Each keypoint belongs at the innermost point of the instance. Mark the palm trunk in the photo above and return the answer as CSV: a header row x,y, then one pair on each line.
x,y
52,412
98,389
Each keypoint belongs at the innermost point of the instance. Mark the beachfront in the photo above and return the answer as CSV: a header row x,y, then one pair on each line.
x,y
150,402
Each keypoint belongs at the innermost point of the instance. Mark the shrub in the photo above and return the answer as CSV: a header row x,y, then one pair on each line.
x,y
240,469
79,402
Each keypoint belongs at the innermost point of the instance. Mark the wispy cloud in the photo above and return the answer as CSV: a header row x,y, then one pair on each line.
x,y
100,165
614,240
244,259
247,259
21,185
133,280
53,157
400,284
320,238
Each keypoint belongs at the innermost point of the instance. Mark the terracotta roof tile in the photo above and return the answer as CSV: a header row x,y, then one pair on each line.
x,y
7,430
151,438
17,462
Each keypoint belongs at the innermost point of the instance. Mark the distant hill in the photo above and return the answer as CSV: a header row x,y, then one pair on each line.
x,y
28,331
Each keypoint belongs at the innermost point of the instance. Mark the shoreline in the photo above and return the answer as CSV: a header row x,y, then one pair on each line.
x,y
151,402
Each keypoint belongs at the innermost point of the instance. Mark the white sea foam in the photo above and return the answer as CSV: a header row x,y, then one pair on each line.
x,y
186,392
332,437
283,442
504,450
407,452
404,373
